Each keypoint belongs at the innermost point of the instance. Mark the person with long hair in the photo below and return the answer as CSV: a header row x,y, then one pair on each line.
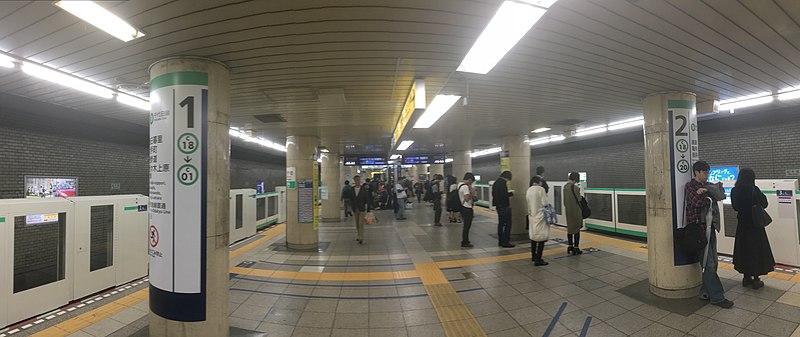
x,y
539,230
572,208
752,255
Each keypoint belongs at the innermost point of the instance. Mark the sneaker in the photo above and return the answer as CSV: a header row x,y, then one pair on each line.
x,y
757,284
437,224
540,263
467,245
725,304
508,245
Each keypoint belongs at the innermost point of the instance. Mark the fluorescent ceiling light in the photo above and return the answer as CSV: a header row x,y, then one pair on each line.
x,y
6,62
439,106
448,160
545,140
101,18
263,142
394,156
511,22
324,150
591,130
540,130
540,3
789,94
404,145
746,101
628,123
133,101
485,152
66,80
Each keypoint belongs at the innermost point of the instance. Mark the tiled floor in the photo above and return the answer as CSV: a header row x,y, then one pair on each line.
x,y
412,279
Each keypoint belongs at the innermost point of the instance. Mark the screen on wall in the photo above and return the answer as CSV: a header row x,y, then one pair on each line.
x,y
50,187
723,173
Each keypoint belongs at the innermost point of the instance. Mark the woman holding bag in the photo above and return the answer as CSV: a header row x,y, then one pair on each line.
x,y
752,255
572,207
539,230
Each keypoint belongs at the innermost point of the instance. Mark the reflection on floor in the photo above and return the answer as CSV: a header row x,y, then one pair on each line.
x,y
410,278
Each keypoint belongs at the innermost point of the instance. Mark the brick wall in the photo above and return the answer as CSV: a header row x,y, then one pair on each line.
x,y
99,165
768,142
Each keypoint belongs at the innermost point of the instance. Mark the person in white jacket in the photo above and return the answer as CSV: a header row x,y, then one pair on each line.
x,y
539,230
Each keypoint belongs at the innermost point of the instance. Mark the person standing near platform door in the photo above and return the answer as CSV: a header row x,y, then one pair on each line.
x,y
436,198
572,207
501,201
539,231
752,255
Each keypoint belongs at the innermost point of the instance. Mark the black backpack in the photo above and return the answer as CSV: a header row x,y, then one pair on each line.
x,y
453,200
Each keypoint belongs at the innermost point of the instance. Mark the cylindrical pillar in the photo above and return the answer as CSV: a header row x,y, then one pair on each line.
x,y
412,173
462,163
190,183
437,169
331,207
519,163
301,232
669,276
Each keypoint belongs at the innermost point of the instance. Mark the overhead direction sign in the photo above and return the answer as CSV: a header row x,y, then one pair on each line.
x,y
415,100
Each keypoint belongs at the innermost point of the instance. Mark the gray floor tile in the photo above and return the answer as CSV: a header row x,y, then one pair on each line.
x,y
415,303
752,303
605,330
316,319
351,321
575,320
291,303
585,300
386,320
771,326
515,302
659,330
539,328
311,332
430,330
255,313
103,328
713,328
735,316
650,312
529,315
261,300
388,332
783,311
242,323
497,322
514,332
568,290
682,323
318,305
605,311
420,317
352,306
80,333
350,333
542,296
283,316
629,322
748,333
385,305
485,308
626,302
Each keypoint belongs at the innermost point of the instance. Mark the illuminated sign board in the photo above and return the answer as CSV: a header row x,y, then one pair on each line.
x,y
41,218
723,173
358,160
424,159
414,101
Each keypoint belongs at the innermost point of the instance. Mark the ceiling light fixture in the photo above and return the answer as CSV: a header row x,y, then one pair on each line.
x,y
439,106
6,62
545,140
591,131
448,160
394,156
485,152
404,145
789,94
66,80
263,142
628,123
101,18
511,22
133,101
324,150
746,101
540,130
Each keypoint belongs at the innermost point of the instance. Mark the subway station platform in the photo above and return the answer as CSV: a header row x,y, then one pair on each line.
x,y
410,278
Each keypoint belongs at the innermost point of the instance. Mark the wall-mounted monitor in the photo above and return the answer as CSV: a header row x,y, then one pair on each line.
x,y
364,160
50,187
424,159
723,173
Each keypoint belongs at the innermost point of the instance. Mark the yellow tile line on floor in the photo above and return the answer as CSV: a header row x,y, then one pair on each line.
x,y
456,319
88,318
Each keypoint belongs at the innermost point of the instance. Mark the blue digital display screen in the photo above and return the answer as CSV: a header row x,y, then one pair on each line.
x,y
723,173
424,159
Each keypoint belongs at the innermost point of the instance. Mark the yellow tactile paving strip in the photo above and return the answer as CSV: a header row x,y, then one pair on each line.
x,y
88,318
456,319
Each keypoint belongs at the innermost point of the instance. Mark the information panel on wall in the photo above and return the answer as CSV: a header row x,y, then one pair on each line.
x,y
683,154
364,160
178,183
424,159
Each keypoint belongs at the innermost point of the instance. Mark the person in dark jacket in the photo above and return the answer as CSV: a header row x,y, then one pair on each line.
x,y
752,255
540,174
347,196
500,199
362,202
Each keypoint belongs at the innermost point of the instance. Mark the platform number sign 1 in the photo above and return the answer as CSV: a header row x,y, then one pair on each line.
x,y
683,154
178,181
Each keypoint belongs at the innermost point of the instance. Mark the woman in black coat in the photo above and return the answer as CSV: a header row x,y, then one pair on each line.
x,y
752,255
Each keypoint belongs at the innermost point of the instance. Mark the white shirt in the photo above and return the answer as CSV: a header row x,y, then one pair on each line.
x,y
357,189
462,191
401,193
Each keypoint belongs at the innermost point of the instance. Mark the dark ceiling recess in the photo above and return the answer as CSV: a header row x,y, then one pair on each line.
x,y
270,118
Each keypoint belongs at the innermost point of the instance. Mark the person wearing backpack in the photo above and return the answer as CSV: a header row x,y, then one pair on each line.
x,y
347,196
463,203
572,208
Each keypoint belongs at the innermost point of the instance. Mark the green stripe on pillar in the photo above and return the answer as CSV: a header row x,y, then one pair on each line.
x,y
180,77
131,208
680,104
2,219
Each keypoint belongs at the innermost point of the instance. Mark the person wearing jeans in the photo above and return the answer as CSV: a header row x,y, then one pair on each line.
x,y
401,198
500,199
698,196
466,197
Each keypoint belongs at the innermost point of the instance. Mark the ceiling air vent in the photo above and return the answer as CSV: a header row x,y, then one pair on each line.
x,y
270,118
291,94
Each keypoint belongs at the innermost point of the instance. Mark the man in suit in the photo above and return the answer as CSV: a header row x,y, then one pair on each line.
x,y
500,199
361,202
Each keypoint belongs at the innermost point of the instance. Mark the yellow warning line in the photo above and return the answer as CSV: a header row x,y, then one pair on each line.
x,y
454,315
88,318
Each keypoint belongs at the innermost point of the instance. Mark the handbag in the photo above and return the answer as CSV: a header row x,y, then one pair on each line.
x,y
370,218
691,237
586,212
550,216
760,216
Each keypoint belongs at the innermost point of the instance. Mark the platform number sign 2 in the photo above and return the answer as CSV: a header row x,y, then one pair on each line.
x,y
177,195
683,153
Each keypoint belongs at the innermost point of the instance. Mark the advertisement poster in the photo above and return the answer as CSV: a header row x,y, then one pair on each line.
x,y
50,187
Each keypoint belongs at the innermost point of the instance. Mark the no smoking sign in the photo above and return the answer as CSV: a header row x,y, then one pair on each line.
x,y
153,236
